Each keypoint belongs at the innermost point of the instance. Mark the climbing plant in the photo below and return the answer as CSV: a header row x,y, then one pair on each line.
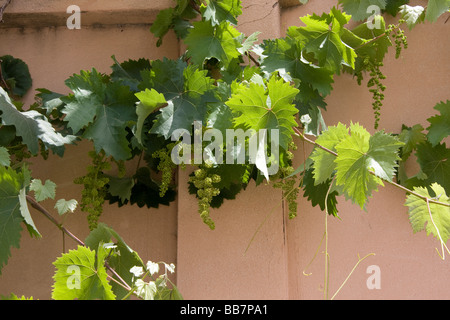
x,y
173,112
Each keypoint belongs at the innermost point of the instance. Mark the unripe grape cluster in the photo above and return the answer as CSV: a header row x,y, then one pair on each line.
x,y
166,167
288,184
401,42
94,192
204,181
377,88
290,190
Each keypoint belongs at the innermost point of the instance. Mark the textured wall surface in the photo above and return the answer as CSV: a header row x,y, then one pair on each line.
x,y
255,251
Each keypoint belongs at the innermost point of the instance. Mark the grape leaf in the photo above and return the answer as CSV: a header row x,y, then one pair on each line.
x,y
88,91
120,187
221,10
4,157
324,165
394,6
434,162
10,214
423,216
358,9
360,153
412,15
162,24
150,100
122,262
317,192
16,73
440,124
206,41
84,273
63,206
261,108
104,109
28,220
129,72
435,8
411,137
187,93
32,127
322,37
43,191
376,49
285,56
145,192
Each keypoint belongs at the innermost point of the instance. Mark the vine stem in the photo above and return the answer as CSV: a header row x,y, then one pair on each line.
x,y
395,184
2,9
351,272
44,211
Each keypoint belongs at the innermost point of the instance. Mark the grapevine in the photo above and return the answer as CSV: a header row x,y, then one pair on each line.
x,y
94,192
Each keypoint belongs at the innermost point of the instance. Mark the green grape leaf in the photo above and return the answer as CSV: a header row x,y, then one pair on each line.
x,y
162,24
103,109
360,153
206,41
322,37
150,100
10,213
50,101
435,8
120,187
324,165
394,6
63,206
5,160
217,11
317,193
88,91
412,15
375,49
129,72
440,124
261,108
81,274
434,163
285,56
16,73
145,192
423,216
187,95
28,220
43,191
411,137
359,9
32,127
112,119
122,262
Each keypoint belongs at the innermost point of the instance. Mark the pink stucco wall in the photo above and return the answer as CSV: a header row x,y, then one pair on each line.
x,y
215,264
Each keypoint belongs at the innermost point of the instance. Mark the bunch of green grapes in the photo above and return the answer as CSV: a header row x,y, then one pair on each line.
x,y
290,189
166,166
204,181
377,88
94,192
288,184
401,42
